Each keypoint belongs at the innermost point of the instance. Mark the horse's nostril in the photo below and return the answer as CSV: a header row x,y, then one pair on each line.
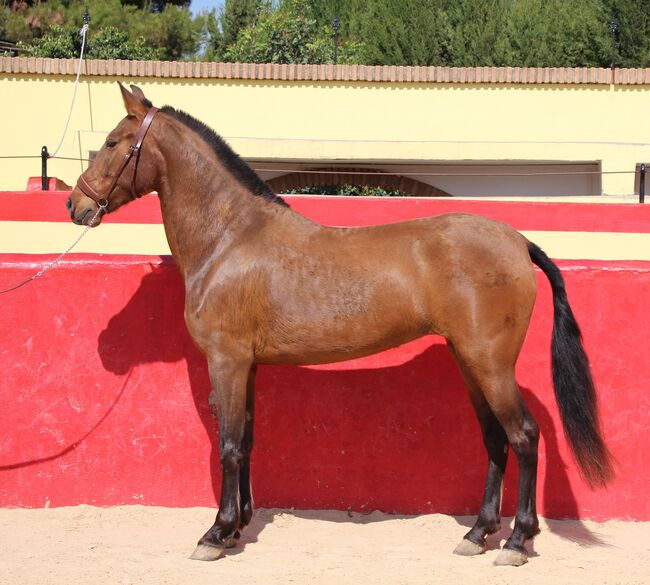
x,y
68,204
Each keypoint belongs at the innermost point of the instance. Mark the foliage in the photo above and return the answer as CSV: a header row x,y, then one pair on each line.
x,y
51,29
238,15
410,32
348,190
59,42
222,30
108,43
493,32
288,34
380,32
634,31
156,5
480,32
173,31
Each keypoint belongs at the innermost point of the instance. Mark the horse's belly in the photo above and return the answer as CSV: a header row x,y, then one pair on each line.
x,y
337,342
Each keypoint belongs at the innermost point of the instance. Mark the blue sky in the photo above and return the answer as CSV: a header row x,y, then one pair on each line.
x,y
200,5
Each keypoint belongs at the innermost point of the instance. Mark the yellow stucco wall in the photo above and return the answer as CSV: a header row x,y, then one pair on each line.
x,y
343,120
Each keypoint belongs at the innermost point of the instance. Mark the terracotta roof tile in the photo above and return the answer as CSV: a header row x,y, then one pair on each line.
x,y
329,72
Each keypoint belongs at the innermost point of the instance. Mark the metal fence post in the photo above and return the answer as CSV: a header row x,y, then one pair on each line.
x,y
642,183
44,157
614,30
335,27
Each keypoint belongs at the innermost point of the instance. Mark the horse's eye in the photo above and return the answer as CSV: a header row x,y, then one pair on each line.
x,y
111,143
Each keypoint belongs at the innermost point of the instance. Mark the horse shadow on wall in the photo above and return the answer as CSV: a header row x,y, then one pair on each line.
x,y
397,438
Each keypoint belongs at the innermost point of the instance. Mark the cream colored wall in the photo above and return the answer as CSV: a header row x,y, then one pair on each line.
x,y
344,120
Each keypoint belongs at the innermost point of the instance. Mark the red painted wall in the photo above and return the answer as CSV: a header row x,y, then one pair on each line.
x,y
105,399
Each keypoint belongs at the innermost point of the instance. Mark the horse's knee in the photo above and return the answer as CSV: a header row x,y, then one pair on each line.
x,y
231,454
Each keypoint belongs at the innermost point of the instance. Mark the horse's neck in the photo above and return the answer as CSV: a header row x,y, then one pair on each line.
x,y
205,210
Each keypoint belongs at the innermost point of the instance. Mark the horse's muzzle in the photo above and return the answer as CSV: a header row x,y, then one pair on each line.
x,y
82,210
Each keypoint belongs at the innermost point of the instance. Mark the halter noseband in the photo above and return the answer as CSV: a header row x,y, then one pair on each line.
x,y
134,149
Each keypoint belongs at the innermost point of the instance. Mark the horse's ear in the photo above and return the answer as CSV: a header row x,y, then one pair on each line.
x,y
137,92
132,103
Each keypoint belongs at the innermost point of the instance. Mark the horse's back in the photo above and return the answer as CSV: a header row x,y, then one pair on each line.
x,y
469,271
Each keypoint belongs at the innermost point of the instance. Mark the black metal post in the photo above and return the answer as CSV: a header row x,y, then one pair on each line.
x,y
335,26
613,29
44,156
642,183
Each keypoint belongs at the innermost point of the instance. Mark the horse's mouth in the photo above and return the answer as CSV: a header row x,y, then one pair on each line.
x,y
88,217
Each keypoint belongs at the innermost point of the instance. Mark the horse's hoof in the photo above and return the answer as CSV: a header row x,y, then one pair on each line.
x,y
204,552
511,557
467,548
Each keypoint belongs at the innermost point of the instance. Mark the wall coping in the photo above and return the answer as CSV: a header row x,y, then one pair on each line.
x,y
297,72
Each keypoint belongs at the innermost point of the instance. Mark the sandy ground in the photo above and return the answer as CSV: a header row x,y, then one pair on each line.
x,y
135,545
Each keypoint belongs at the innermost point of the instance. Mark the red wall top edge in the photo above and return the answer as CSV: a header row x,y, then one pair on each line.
x,y
522,215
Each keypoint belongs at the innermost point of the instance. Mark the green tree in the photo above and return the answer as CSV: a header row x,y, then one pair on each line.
x,y
62,42
221,31
580,37
401,32
236,16
288,34
171,34
107,43
111,43
479,35
633,18
384,32
156,5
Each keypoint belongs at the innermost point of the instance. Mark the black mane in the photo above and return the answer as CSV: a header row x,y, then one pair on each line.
x,y
230,159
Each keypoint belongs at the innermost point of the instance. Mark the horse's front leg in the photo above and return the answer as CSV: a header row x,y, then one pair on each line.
x,y
245,490
229,375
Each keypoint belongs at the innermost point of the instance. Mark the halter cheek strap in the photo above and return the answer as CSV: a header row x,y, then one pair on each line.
x,y
134,149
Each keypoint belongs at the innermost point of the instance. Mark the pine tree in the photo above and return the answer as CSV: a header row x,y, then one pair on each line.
x,y
633,16
236,16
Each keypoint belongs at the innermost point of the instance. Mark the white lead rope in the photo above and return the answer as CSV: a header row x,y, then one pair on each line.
x,y
84,31
57,260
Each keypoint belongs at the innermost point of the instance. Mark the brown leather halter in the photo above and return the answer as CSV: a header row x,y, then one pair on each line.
x,y
134,149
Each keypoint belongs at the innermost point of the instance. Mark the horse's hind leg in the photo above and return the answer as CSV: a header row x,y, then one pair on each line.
x,y
523,435
501,393
496,445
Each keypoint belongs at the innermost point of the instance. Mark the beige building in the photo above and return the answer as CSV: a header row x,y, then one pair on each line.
x,y
427,130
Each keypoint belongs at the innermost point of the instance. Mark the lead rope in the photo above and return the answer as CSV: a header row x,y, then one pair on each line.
x,y
60,257
57,260
83,32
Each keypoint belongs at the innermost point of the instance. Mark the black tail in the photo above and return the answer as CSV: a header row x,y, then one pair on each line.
x,y
574,387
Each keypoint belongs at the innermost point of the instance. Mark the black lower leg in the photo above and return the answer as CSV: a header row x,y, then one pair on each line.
x,y
228,517
229,378
496,444
245,492
524,445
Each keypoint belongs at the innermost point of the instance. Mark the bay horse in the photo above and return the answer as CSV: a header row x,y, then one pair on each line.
x,y
265,285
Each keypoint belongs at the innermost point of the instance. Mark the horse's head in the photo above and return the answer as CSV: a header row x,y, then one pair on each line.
x,y
123,169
